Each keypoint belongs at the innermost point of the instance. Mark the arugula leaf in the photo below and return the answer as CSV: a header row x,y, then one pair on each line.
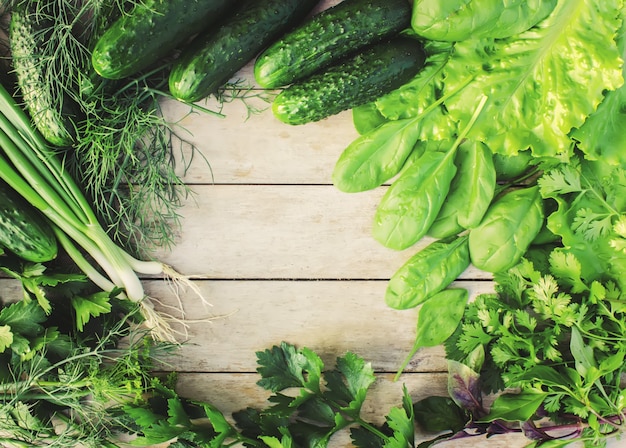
x,y
556,56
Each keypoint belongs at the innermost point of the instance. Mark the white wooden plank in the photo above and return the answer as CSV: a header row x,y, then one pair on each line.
x,y
260,149
330,317
269,232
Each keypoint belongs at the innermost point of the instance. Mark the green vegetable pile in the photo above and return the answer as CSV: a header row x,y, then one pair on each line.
x,y
506,153
496,129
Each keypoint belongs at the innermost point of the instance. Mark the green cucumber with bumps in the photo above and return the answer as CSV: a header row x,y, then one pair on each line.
x,y
53,113
357,80
23,229
151,31
328,37
215,56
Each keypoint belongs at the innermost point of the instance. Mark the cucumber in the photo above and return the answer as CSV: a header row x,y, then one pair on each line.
x,y
150,31
53,113
362,78
23,229
215,56
328,37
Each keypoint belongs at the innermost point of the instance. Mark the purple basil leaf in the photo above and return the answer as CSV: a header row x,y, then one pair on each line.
x,y
464,387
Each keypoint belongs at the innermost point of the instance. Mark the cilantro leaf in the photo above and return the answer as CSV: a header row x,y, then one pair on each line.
x,y
561,180
6,337
568,270
285,366
23,317
90,306
402,421
349,382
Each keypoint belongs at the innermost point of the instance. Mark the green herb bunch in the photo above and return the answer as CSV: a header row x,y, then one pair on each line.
x,y
308,406
70,357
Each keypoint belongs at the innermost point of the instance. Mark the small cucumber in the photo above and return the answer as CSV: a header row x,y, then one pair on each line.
x,y
328,37
52,112
362,78
23,229
150,32
215,56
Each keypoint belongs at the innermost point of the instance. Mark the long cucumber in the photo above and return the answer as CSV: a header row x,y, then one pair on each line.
x,y
329,37
23,229
53,112
215,56
357,80
150,32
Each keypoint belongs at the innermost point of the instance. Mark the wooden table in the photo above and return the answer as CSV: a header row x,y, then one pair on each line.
x,y
282,255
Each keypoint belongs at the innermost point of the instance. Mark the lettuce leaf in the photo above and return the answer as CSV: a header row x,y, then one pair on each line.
x,y
540,84
419,97
602,135
456,20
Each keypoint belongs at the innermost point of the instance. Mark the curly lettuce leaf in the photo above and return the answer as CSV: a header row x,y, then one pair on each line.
x,y
602,135
456,20
420,96
542,83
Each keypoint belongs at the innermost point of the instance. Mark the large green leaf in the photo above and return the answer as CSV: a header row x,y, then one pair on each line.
x,y
455,20
602,135
540,84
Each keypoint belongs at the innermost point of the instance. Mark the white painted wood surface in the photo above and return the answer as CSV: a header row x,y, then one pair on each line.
x,y
284,256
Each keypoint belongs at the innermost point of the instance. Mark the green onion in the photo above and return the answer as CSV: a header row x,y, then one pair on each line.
x,y
37,173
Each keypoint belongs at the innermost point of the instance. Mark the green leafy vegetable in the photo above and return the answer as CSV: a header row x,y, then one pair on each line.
x,y
556,337
437,320
508,228
591,204
465,19
376,156
572,55
412,202
428,272
471,191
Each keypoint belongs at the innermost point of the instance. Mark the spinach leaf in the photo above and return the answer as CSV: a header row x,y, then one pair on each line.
x,y
428,272
375,156
422,96
412,202
471,190
505,233
366,117
437,319
455,20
